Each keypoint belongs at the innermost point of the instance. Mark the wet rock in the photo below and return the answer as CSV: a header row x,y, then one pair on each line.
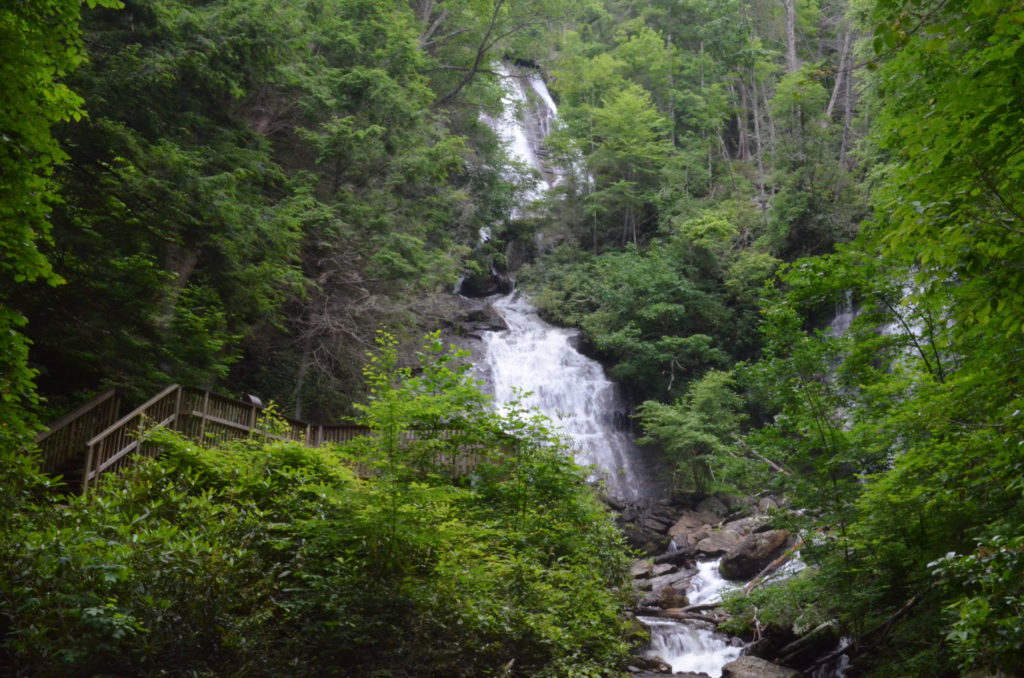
x,y
773,638
714,506
650,665
753,553
682,556
669,579
486,284
669,596
717,543
753,667
808,647
476,317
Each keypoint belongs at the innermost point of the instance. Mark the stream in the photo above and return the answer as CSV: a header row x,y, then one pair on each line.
x,y
691,646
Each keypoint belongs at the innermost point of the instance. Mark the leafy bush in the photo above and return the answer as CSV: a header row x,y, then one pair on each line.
x,y
280,560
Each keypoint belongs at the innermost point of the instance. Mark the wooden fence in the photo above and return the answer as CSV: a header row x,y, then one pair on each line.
x,y
93,440
107,443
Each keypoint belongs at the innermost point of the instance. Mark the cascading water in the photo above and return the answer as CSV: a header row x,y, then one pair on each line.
x,y
528,112
571,389
536,358
689,646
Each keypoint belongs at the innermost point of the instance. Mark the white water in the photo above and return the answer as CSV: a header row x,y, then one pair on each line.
x,y
707,586
571,389
844,317
524,122
688,646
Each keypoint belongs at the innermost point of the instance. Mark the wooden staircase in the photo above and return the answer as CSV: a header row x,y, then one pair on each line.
x,y
94,439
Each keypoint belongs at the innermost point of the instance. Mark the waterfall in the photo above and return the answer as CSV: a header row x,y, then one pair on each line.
x,y
528,112
569,388
540,359
689,646
844,316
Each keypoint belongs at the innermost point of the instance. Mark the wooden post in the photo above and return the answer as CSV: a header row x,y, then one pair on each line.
x,y
176,423
202,418
88,467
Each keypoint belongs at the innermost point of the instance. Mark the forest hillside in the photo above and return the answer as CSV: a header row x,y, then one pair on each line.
x,y
792,230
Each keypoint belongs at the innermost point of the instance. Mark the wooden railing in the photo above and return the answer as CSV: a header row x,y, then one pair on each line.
x,y
93,437
109,450
203,416
67,437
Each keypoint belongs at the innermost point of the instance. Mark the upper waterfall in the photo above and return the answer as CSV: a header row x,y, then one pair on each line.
x,y
527,116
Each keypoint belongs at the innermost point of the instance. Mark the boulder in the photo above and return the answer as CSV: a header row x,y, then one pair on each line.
x,y
650,665
646,541
816,643
641,569
477,316
744,526
753,667
717,543
668,579
663,568
735,503
692,526
682,556
486,284
753,553
669,596
714,506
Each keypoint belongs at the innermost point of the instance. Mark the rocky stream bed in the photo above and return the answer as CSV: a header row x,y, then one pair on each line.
x,y
699,547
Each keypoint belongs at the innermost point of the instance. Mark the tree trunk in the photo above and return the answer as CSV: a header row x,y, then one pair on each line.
x,y
841,74
758,143
791,61
300,375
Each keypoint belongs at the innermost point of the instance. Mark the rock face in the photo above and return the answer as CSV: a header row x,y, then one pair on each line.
x,y
753,553
486,284
752,667
473,317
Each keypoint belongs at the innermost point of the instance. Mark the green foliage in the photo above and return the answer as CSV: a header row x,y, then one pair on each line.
x,y
703,423
40,44
278,560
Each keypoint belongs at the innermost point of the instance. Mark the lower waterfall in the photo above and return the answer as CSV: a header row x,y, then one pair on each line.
x,y
539,359
691,647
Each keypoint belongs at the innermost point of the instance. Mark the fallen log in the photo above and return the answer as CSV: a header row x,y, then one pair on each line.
x,y
772,566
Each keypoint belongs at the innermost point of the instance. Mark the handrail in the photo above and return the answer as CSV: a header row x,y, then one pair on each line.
x,y
131,415
74,414
201,415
